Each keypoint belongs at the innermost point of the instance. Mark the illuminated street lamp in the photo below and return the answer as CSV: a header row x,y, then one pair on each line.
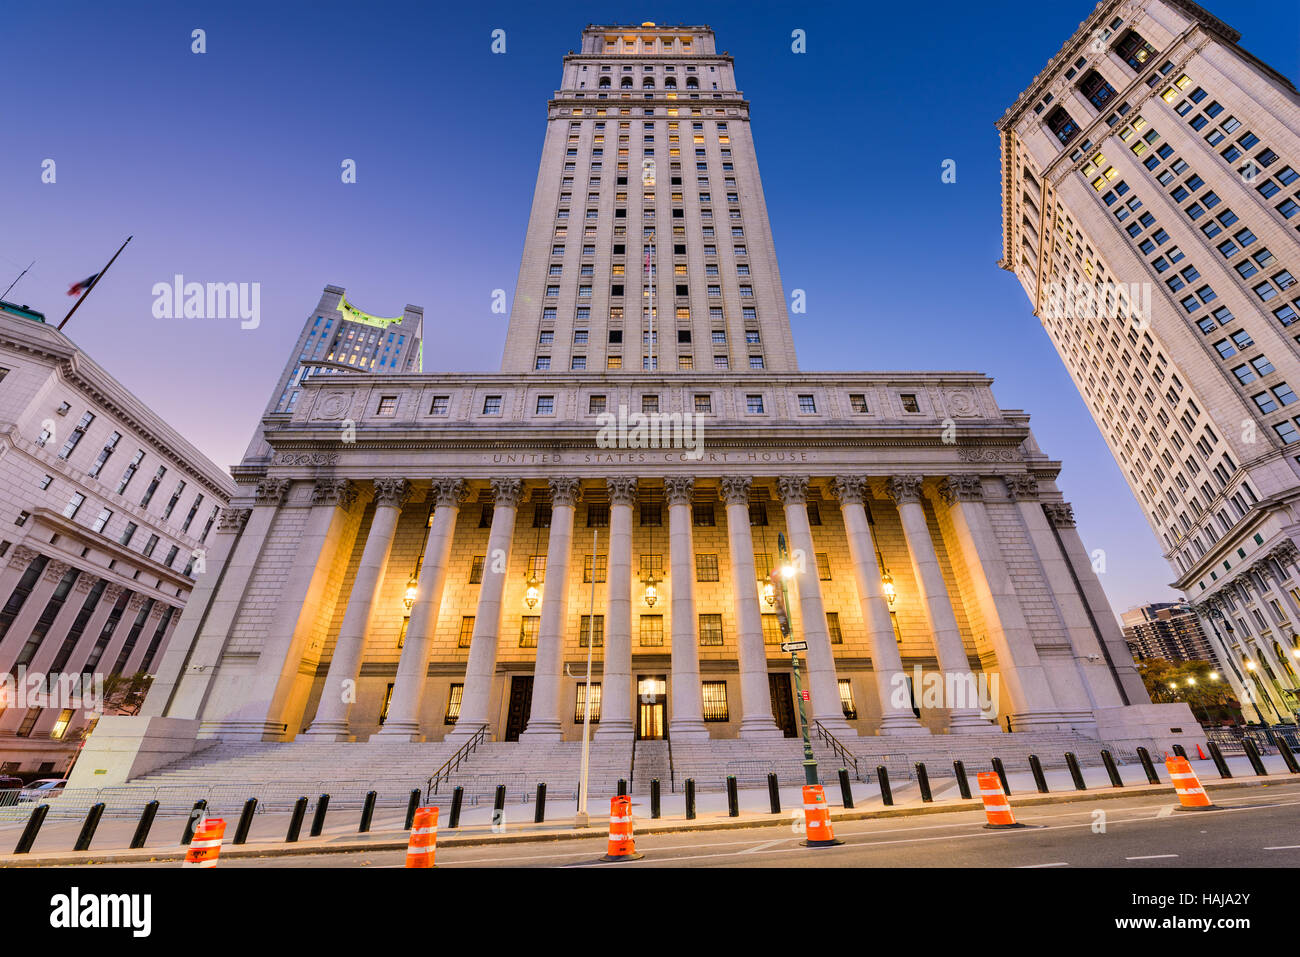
x,y
651,589
532,593
412,589
887,586
784,572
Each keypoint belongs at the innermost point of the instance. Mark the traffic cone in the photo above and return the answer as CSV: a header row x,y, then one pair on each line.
x,y
205,848
1199,753
1191,796
622,846
817,818
996,805
424,838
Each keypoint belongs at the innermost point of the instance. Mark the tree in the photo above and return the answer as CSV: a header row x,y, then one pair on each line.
x,y
1211,699
124,694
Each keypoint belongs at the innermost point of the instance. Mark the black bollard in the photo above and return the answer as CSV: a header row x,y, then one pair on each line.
x,y
295,822
773,793
1180,751
245,821
923,782
367,812
33,827
1284,749
88,827
499,805
1002,776
1256,761
1145,757
411,805
457,796
846,790
1072,763
886,795
198,813
622,787
1112,772
690,799
654,798
539,815
146,822
733,799
1219,761
318,819
963,785
1036,768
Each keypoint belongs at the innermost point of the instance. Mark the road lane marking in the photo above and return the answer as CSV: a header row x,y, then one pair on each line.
x,y
1054,864
1150,857
1284,847
762,847
1165,811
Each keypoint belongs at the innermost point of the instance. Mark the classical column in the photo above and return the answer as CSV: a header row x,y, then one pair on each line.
x,y
886,661
403,720
481,666
49,647
616,676
339,693
19,560
142,641
1281,556
544,719
259,716
755,695
686,715
905,490
21,628
822,681
1205,612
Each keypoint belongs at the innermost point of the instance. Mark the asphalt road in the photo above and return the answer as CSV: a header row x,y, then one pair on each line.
x,y
1255,827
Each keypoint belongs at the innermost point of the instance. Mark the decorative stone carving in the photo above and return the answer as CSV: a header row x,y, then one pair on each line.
x,y
307,458
961,404
679,490
135,603
272,491
448,491
735,489
333,405
23,556
981,454
1021,487
849,489
84,583
565,491
112,592
792,489
333,491
961,488
506,492
904,489
232,519
1285,552
622,490
392,491
1060,514
55,570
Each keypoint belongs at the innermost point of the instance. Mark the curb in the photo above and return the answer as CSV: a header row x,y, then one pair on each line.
x,y
127,856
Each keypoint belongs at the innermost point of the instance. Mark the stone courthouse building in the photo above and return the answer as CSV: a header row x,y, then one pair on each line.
x,y
419,555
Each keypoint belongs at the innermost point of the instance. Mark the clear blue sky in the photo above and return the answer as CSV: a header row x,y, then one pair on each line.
x,y
225,166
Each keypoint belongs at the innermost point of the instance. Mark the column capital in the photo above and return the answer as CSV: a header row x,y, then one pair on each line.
x,y
1060,514
233,519
506,492
792,489
622,489
1263,570
23,556
84,583
392,491
904,489
679,489
135,602
1022,487
55,570
334,491
961,488
113,591
850,489
735,489
1285,551
272,491
448,491
565,490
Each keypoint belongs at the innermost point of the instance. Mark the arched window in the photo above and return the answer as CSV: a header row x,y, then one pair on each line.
x,y
604,83
625,83
648,83
692,83
670,83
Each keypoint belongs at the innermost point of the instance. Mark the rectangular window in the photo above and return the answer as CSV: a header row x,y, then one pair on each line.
x,y
846,699
591,629
601,566
476,569
710,630
771,630
466,631
715,700
833,627
453,704
580,703
651,631
387,405
528,628
706,568
74,504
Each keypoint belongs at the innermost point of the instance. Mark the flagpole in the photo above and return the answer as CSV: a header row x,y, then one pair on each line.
x,y
20,276
93,284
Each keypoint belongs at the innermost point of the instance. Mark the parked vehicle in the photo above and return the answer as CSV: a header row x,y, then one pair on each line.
x,y
41,789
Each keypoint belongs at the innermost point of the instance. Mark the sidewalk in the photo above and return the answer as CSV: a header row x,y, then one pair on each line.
x,y
266,837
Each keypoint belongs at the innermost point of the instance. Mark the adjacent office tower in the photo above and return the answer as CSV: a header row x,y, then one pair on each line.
x,y
1155,155
1167,630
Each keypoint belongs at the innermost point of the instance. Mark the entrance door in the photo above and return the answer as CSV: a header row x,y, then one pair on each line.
x,y
521,702
652,706
782,703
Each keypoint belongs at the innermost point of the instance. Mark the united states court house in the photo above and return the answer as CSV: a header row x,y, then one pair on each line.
x,y
416,556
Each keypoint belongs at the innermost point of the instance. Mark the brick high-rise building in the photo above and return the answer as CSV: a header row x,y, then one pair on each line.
x,y
1156,156
1168,630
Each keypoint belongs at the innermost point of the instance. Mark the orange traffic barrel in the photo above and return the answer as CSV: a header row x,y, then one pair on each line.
x,y
997,807
424,838
817,818
1191,796
622,846
205,848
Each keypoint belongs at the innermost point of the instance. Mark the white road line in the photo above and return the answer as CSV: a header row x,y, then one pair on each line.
x,y
1150,857
1165,811
1054,864
762,847
1284,847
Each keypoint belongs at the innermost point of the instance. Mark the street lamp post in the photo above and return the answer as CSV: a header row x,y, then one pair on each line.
x,y
778,578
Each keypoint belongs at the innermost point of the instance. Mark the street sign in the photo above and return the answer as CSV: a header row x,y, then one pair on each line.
x,y
794,646
804,694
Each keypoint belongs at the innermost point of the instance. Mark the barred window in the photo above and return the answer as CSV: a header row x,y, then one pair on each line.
x,y
485,517
536,567
833,627
600,567
597,516
771,630
453,704
652,631
595,631
763,564
814,514
757,513
580,703
541,516
652,564
710,630
715,700
846,699
823,566
706,568
476,570
703,515
528,626
466,631
652,513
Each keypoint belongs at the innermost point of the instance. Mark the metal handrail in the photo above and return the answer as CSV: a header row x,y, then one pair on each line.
x,y
631,771
453,762
672,777
840,751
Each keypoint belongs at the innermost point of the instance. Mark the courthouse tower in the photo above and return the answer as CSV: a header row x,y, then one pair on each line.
x,y
425,557
1155,154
